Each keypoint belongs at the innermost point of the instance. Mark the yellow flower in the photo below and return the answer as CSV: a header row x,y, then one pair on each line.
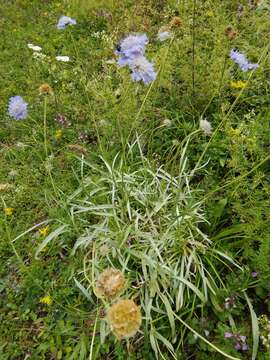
x,y
9,211
234,132
238,84
58,134
44,231
47,300
210,13
110,283
124,318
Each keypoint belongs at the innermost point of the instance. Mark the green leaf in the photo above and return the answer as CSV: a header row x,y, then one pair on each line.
x,y
83,290
255,328
50,237
169,313
227,356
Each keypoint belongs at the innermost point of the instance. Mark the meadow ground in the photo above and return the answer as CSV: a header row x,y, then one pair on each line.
x,y
135,203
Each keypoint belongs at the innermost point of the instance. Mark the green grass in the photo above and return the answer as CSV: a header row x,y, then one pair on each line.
x,y
185,216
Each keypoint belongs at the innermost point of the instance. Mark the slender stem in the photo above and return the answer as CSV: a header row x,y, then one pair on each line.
x,y
193,47
238,179
226,116
149,91
45,125
93,337
86,93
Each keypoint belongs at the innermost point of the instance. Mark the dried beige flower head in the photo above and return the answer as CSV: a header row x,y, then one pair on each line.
x,y
176,22
110,283
6,187
230,32
77,148
45,89
206,127
124,318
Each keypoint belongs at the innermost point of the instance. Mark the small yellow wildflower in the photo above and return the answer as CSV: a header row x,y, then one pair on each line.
x,y
47,300
210,13
44,231
238,84
234,132
9,211
58,134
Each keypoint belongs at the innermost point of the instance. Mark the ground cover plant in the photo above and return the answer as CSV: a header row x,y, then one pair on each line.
x,y
134,179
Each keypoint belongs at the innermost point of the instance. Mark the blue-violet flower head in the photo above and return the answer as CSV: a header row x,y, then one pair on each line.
x,y
241,60
142,69
163,35
64,21
131,47
17,108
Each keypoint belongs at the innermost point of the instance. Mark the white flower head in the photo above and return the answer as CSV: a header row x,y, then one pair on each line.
x,y
163,35
63,58
110,61
38,55
34,47
167,122
206,127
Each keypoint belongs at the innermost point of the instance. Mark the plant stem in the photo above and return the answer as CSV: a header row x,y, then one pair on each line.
x,y
45,126
193,47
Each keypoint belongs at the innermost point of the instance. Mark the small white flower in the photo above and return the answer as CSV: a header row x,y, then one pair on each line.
x,y
34,47
21,145
103,122
110,62
38,55
206,127
164,35
13,173
62,58
167,122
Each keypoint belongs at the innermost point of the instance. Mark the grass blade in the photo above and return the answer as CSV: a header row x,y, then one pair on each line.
x,y
50,237
255,328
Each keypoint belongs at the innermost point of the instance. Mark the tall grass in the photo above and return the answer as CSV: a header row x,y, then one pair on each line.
x,y
151,225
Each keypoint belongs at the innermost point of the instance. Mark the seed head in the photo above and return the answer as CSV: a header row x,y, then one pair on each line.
x,y
110,283
176,22
45,89
124,318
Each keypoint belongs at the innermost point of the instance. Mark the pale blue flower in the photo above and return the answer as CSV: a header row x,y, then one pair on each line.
x,y
64,21
17,108
142,69
163,35
130,48
241,60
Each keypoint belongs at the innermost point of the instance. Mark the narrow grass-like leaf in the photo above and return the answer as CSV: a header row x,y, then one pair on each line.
x,y
83,290
227,356
31,229
169,313
227,257
62,229
255,328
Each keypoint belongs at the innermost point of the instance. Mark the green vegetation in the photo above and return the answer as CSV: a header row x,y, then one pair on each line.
x,y
108,173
